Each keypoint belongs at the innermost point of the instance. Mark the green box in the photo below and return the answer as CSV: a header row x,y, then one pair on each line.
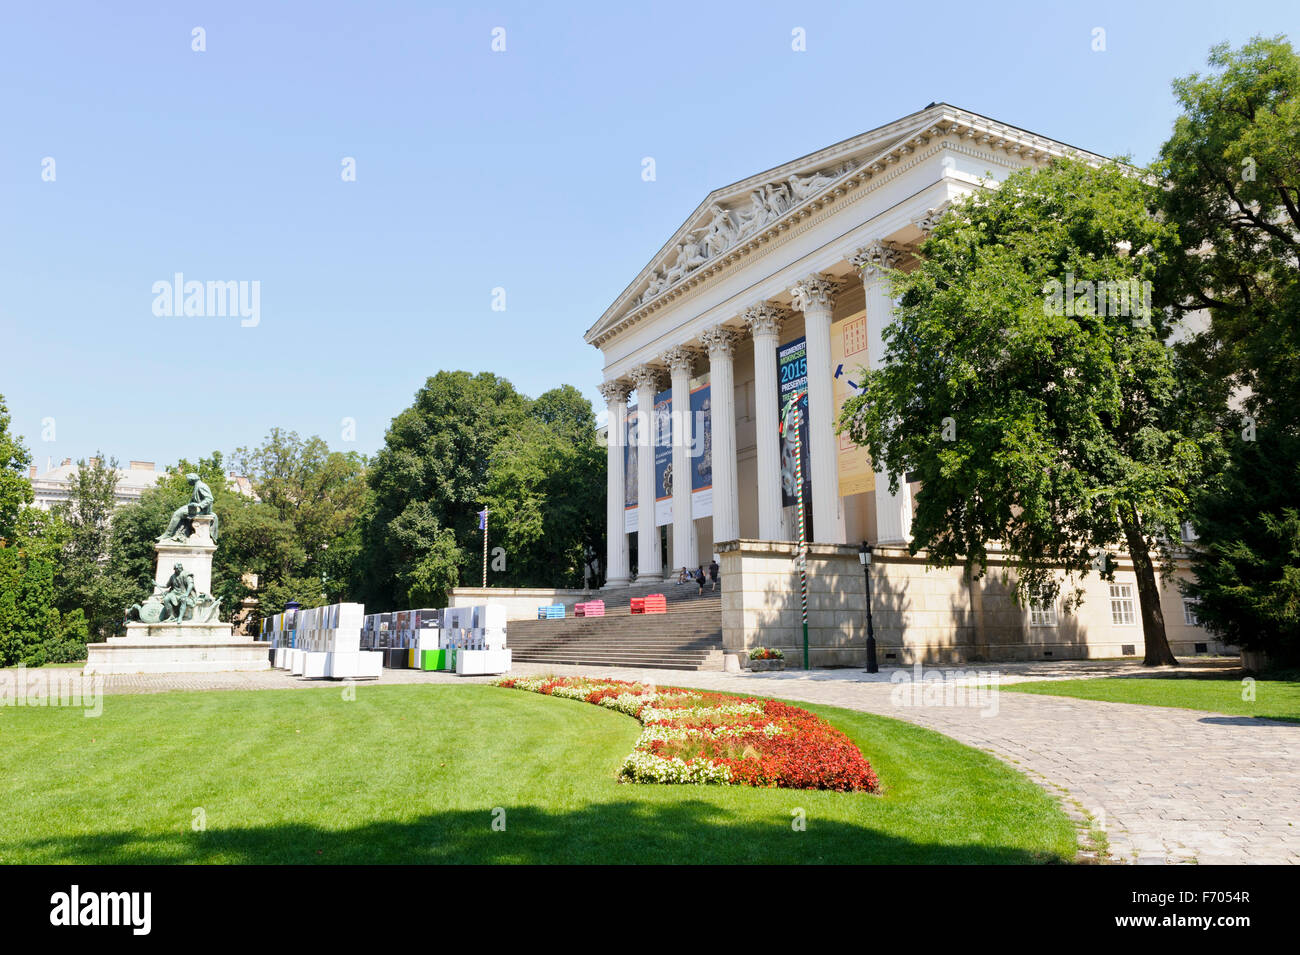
x,y
433,659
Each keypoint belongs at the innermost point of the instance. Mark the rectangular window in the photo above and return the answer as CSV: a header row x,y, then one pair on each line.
x,y
1042,613
1121,605
1189,532
1189,612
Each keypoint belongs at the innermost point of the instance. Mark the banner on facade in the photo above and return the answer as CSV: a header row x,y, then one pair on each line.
x,y
792,376
848,356
630,450
701,456
663,450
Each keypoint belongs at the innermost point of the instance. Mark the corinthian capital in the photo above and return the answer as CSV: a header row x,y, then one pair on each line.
x,y
720,341
816,291
614,390
764,318
931,217
648,376
680,358
876,257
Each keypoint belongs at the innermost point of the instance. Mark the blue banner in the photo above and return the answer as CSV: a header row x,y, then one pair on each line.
x,y
792,376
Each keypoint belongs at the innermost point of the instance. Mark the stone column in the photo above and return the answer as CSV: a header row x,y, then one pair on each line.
x,y
893,511
814,296
649,557
764,322
616,567
681,361
721,344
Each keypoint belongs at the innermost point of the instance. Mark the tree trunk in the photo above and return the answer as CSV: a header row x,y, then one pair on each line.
x,y
1153,617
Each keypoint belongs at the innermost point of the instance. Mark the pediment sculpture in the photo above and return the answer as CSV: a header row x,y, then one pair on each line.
x,y
726,227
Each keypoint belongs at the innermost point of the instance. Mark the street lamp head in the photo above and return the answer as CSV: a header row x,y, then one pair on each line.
x,y
864,554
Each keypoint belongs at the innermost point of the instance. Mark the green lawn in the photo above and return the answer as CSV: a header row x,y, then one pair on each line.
x,y
1276,699
412,774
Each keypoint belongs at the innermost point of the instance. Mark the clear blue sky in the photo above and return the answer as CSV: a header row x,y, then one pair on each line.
x,y
475,169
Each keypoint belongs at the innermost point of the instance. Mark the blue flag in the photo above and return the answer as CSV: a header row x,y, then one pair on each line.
x,y
482,519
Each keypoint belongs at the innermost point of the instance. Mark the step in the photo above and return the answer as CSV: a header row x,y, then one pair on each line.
x,y
710,662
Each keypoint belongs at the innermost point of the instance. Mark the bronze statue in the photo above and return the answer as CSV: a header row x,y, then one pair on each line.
x,y
180,596
181,525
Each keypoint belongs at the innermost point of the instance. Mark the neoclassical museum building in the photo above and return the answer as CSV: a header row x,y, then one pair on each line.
x,y
774,286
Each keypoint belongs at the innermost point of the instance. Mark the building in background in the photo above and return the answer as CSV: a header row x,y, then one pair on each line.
x,y
56,483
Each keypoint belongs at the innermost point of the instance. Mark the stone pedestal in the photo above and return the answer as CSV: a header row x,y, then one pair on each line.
x,y
177,648
180,646
195,555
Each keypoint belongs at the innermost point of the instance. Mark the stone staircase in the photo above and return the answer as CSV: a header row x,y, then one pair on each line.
x,y
687,637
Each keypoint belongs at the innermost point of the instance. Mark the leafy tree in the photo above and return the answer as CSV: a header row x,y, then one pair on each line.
x,y
1066,439
471,441
546,491
30,543
1232,175
15,487
84,582
428,483
1247,559
318,493
275,595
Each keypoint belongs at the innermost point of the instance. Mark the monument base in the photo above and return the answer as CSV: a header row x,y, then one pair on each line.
x,y
177,648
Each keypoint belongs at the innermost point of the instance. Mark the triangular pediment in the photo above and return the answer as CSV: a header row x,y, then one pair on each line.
x,y
743,212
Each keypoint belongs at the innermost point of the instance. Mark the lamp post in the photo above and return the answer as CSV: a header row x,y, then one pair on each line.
x,y
864,558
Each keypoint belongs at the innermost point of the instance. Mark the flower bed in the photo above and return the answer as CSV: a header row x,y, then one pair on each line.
x,y
690,736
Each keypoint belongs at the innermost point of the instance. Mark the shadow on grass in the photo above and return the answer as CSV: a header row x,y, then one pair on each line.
x,y
1252,721
688,831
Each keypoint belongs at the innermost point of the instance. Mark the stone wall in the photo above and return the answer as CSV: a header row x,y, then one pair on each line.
x,y
761,606
931,616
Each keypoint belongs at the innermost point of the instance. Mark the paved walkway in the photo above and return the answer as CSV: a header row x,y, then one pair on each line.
x,y
1166,785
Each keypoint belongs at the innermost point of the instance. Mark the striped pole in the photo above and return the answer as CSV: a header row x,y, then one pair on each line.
x,y
485,520
792,410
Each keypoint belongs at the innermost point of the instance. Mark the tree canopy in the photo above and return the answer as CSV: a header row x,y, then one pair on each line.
x,y
1231,172
1037,403
469,442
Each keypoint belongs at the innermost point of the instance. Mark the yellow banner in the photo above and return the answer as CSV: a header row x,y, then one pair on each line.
x,y
848,354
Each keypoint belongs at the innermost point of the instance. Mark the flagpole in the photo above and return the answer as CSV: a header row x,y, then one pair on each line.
x,y
485,520
792,411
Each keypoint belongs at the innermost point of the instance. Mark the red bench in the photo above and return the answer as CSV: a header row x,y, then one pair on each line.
x,y
638,605
655,603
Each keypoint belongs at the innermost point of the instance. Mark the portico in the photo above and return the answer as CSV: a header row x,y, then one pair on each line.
x,y
775,284
795,252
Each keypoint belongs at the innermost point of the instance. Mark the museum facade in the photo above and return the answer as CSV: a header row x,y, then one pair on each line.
x,y
773,292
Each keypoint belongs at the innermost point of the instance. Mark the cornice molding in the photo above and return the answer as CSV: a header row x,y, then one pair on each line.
x,y
958,130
